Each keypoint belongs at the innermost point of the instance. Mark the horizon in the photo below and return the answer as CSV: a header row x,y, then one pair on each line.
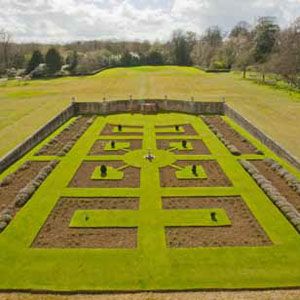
x,y
62,22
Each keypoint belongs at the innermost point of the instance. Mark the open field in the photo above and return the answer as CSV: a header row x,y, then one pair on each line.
x,y
24,107
147,224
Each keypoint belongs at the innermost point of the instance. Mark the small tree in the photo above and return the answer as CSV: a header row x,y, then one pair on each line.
x,y
72,61
53,61
36,59
184,144
113,144
194,170
120,127
103,170
213,217
177,127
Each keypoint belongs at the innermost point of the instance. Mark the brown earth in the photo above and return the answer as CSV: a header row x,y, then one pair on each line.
x,y
279,183
244,230
199,148
215,175
18,180
98,147
68,136
289,294
231,135
56,232
83,176
108,130
188,130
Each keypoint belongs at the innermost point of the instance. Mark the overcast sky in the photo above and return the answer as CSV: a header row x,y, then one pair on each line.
x,y
68,20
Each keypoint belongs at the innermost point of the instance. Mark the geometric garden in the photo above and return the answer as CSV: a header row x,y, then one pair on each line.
x,y
149,202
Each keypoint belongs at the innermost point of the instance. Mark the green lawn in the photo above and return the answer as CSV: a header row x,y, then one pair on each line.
x,y
152,265
26,107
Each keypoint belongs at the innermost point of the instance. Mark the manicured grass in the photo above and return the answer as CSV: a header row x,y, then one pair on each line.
x,y
26,107
152,266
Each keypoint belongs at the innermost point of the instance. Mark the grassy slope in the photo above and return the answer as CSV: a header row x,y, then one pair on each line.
x,y
24,108
152,265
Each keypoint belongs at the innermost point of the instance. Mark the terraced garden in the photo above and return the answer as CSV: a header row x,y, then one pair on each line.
x,y
149,202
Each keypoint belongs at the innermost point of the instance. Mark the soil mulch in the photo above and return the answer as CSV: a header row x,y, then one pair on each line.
x,y
244,231
68,136
188,130
18,181
83,176
240,142
98,147
56,232
199,148
279,183
108,130
215,175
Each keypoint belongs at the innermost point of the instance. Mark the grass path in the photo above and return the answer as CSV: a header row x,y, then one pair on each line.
x,y
26,107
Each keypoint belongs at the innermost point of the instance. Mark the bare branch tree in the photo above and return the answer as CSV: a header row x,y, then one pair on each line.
x,y
5,41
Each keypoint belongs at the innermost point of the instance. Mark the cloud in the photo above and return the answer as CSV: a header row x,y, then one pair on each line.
x,y
68,20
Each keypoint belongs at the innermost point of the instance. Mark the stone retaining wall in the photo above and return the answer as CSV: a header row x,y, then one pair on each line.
x,y
36,138
262,137
148,106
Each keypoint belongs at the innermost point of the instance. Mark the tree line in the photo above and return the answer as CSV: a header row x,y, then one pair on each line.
x,y
263,47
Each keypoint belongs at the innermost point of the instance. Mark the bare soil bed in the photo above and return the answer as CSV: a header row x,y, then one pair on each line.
x,y
199,148
279,183
188,130
241,143
83,176
244,231
215,175
108,130
98,147
67,138
18,181
56,232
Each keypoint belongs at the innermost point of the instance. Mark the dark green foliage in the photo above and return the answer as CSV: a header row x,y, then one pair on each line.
x,y
266,33
126,59
53,61
103,170
184,144
113,144
36,59
194,170
120,128
213,217
182,44
155,58
177,127
72,61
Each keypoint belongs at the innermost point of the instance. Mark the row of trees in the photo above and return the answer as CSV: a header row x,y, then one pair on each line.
x,y
264,47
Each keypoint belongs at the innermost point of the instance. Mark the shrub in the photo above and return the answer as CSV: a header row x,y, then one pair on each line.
x,y
213,217
113,144
3,225
103,170
25,166
6,218
7,180
177,127
184,144
194,170
119,127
